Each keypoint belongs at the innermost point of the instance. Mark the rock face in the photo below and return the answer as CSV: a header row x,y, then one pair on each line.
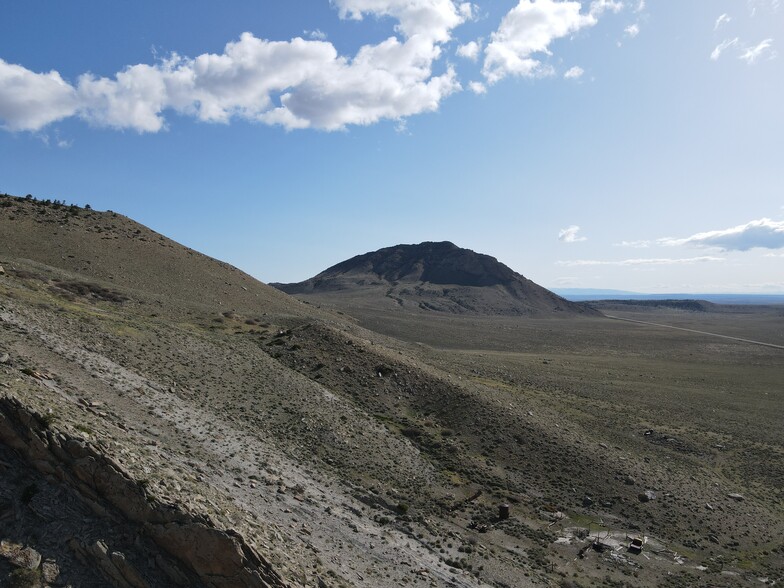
x,y
438,277
192,551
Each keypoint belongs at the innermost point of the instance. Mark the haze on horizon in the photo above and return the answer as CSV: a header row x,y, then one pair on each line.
x,y
600,144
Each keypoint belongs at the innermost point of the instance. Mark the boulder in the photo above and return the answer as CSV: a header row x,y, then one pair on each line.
x,y
50,571
19,556
646,496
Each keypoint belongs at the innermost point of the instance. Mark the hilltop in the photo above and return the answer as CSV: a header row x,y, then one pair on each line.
x,y
432,276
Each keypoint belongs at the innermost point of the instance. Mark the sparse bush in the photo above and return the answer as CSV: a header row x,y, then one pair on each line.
x,y
24,578
411,432
48,419
91,291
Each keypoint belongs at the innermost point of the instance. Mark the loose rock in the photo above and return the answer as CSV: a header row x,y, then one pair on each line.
x,y
646,496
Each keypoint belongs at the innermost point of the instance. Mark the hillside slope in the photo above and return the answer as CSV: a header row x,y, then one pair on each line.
x,y
432,276
117,251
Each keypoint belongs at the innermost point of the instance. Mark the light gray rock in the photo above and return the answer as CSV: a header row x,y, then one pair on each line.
x,y
50,571
647,496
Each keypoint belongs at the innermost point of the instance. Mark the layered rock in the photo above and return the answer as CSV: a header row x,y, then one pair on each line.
x,y
192,551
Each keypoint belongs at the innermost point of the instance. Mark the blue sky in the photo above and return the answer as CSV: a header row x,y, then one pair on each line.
x,y
604,144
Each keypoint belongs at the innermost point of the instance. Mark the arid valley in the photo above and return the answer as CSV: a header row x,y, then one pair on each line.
x,y
167,420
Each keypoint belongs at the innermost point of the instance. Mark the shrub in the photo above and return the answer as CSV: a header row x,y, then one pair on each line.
x,y
23,578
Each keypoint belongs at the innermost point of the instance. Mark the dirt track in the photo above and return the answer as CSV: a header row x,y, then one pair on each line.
x,y
618,318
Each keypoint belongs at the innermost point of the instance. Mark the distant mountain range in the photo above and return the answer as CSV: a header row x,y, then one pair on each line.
x,y
432,276
591,294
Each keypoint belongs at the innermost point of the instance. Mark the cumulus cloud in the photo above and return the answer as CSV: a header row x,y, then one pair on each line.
x,y
762,233
632,30
430,19
640,262
600,6
297,84
722,47
470,50
29,101
722,20
528,29
574,73
752,54
570,235
305,82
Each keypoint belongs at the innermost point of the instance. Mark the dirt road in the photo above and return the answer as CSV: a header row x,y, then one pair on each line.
x,y
696,331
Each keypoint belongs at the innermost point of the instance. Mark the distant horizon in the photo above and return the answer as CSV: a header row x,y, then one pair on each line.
x,y
662,293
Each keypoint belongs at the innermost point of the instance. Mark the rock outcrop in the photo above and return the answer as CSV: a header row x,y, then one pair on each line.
x,y
191,551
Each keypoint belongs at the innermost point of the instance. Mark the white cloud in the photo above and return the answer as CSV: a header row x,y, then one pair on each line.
x,y
297,84
723,46
763,233
640,6
632,30
574,73
723,19
29,101
639,262
303,82
316,34
470,50
54,141
528,29
569,235
765,5
600,6
430,19
752,54
642,244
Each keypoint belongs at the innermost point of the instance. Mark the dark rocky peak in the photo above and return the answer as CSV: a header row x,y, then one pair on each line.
x,y
434,262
